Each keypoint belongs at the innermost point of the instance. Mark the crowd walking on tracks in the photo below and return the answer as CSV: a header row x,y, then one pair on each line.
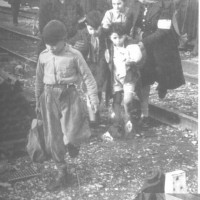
x,y
118,48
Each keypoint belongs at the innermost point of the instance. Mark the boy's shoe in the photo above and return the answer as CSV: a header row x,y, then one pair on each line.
x,y
62,180
162,93
115,131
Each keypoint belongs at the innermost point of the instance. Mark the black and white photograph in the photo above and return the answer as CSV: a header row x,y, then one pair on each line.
x,y
99,100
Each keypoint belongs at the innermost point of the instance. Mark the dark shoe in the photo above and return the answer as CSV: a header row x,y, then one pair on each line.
x,y
115,131
73,150
63,179
59,182
162,93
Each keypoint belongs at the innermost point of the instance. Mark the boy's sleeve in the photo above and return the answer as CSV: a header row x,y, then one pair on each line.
x,y
39,85
87,78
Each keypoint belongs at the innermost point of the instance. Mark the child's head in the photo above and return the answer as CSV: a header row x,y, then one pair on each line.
x,y
118,5
54,34
93,21
117,34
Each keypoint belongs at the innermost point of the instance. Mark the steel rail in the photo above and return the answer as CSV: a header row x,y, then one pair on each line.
x,y
20,14
190,69
17,55
22,11
171,117
19,33
191,78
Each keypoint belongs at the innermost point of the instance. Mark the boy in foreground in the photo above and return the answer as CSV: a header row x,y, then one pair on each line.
x,y
64,119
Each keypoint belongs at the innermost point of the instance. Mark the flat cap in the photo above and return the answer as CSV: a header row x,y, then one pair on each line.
x,y
53,32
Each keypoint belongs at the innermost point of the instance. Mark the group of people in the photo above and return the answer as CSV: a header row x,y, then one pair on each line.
x,y
122,53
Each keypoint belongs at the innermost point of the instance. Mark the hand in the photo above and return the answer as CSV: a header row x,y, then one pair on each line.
x,y
95,107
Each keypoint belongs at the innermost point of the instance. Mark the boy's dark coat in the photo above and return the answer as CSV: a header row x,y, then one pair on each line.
x,y
83,35
163,63
102,71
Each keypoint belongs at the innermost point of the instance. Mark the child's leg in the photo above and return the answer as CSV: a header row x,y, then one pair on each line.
x,y
60,179
128,97
117,99
53,136
114,129
144,101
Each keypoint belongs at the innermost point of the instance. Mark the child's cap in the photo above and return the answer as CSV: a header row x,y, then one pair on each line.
x,y
93,19
53,32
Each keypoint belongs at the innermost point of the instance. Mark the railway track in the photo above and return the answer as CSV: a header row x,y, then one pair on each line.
x,y
190,71
163,114
22,13
17,55
18,33
190,78
19,45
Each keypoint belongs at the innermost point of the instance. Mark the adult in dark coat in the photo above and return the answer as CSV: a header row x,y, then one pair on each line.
x,y
153,29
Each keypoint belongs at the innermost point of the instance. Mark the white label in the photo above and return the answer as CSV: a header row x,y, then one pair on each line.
x,y
175,182
164,24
